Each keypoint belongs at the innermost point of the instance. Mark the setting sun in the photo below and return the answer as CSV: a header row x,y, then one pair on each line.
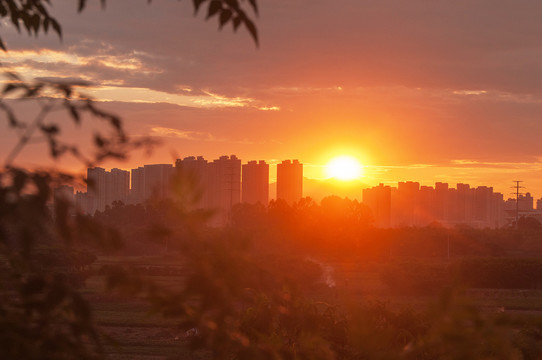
x,y
344,168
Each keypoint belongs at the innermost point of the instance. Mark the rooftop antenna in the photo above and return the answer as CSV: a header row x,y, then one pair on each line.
x,y
517,193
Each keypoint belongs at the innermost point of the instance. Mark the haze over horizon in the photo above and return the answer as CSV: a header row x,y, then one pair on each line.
x,y
417,90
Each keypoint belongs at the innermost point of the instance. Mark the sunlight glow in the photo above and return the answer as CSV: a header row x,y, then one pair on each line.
x,y
344,168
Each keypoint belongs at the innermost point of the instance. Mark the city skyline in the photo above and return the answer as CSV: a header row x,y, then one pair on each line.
x,y
331,186
200,184
419,91
217,186
352,188
220,184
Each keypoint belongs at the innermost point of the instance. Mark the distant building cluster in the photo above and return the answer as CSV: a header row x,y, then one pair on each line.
x,y
220,184
410,204
216,185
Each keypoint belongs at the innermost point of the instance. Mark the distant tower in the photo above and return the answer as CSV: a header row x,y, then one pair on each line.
x,y
225,186
137,188
157,178
195,180
378,199
96,189
256,182
117,185
290,181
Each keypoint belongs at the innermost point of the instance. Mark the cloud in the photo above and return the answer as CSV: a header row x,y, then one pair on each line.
x,y
182,134
498,166
407,82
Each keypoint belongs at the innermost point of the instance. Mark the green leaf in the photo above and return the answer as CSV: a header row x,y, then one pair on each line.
x,y
56,27
35,23
99,141
13,122
236,23
115,121
74,114
50,129
252,30
9,88
19,181
197,4
214,7
254,5
82,4
13,76
225,16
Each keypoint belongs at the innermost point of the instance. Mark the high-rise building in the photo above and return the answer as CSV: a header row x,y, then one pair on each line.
x,y
290,181
406,204
427,206
225,187
442,202
157,181
498,215
378,199
483,203
194,181
96,194
525,202
137,188
117,186
255,182
464,203
415,205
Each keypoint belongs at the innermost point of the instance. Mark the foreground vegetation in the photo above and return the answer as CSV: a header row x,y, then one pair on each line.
x,y
313,281
270,288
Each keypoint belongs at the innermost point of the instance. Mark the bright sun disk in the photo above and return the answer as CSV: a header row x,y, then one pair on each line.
x,y
344,168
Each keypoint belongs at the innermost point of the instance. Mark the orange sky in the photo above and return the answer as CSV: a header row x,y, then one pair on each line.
x,y
417,90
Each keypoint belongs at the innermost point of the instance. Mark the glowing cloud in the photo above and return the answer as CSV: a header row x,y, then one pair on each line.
x,y
182,134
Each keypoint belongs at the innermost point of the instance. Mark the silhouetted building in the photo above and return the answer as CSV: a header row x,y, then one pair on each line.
x,y
117,186
498,215
290,181
378,199
194,178
157,181
224,187
525,202
483,203
427,207
442,202
255,183
405,204
137,189
412,205
96,194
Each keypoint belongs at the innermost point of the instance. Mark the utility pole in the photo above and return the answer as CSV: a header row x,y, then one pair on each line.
x,y
517,193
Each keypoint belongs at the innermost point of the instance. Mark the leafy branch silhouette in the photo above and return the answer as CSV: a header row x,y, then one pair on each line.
x,y
33,15
43,314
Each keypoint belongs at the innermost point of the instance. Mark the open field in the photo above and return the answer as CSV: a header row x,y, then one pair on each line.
x,y
138,333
